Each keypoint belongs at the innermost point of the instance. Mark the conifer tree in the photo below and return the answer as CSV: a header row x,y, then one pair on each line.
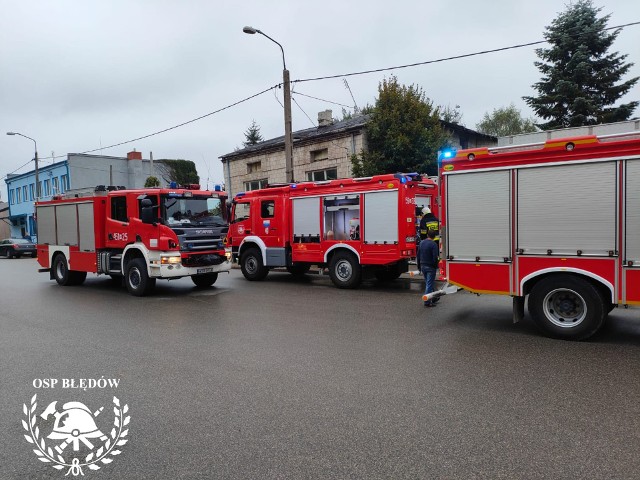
x,y
252,135
581,80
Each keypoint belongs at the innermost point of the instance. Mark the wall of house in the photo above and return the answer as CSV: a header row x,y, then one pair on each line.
x,y
272,164
5,229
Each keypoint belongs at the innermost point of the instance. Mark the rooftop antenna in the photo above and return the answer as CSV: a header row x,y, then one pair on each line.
x,y
355,106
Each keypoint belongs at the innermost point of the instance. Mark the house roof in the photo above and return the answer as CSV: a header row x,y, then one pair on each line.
x,y
354,123
336,128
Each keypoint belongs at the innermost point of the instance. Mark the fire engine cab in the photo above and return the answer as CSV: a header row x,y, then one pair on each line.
x,y
558,222
135,235
353,226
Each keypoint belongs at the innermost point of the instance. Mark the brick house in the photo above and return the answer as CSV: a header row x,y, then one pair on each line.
x,y
319,153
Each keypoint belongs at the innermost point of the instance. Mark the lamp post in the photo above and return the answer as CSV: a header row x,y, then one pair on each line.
x,y
36,160
288,138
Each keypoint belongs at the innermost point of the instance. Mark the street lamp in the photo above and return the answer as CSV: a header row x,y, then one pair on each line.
x,y
288,138
36,160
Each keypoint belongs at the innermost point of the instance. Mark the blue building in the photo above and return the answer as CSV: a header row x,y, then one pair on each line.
x,y
78,171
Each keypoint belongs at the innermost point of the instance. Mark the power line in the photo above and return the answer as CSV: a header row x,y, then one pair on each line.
x,y
296,102
445,59
321,99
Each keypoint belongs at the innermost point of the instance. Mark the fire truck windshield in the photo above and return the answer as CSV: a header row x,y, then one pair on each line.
x,y
192,211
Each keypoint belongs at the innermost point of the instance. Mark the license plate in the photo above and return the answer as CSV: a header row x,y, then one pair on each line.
x,y
205,270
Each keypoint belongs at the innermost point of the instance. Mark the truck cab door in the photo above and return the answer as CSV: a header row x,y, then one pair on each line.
x,y
240,225
269,224
117,223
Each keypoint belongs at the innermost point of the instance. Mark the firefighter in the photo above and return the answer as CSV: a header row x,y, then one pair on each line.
x,y
429,222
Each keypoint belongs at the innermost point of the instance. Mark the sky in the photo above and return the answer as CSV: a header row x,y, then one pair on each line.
x,y
80,75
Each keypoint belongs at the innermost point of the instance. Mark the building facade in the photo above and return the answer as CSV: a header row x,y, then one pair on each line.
x,y
320,153
78,171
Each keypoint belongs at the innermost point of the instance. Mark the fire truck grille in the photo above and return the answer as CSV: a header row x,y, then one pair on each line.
x,y
200,243
202,260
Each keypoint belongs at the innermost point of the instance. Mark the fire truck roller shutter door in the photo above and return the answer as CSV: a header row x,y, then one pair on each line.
x,y
632,211
478,215
67,220
46,225
380,212
306,217
86,227
564,208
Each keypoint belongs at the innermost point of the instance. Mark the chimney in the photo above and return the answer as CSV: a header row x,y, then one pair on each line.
x,y
325,119
134,155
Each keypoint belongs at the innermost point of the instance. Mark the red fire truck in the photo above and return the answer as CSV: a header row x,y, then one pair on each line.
x,y
135,235
355,227
558,222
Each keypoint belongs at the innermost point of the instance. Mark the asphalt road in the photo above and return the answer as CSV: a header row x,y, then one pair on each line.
x,y
297,379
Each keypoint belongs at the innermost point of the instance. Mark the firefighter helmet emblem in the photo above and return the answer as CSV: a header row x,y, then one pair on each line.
x,y
75,425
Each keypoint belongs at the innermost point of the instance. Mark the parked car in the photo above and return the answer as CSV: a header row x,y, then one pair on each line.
x,y
16,247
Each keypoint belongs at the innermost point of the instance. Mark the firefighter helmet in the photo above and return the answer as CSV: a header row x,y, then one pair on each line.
x,y
426,210
75,421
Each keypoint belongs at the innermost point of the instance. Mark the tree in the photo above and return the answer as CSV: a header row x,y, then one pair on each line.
x,y
151,182
183,172
505,121
404,133
252,135
581,81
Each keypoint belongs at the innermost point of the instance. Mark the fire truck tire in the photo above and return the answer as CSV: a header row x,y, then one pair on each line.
x,y
344,270
567,307
204,280
299,269
137,279
60,270
252,266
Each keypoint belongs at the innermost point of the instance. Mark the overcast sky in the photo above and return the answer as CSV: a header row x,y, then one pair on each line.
x,y
81,75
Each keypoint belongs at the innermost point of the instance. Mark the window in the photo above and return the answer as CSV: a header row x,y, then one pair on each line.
x,y
56,189
47,188
317,155
254,167
65,183
32,191
320,175
119,208
18,196
25,195
267,208
12,197
241,212
255,184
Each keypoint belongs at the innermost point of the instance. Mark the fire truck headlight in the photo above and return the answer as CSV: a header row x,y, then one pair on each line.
x,y
170,260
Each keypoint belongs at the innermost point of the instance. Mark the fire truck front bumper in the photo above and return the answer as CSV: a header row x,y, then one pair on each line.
x,y
172,267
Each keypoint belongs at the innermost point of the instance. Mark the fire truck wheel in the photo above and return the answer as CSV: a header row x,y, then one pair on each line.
x,y
251,265
60,270
137,279
204,280
344,270
299,269
567,307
